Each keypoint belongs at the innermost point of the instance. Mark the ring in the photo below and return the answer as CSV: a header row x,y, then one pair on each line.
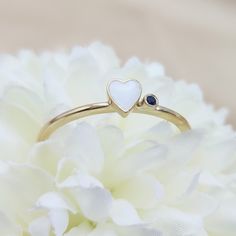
x,y
124,98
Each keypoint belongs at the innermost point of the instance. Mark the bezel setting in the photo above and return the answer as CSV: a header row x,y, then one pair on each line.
x,y
124,95
151,100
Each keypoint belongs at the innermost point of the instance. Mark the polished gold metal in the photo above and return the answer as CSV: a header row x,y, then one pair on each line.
x,y
141,107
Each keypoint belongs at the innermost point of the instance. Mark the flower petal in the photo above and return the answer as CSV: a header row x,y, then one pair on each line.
x,y
223,221
25,99
139,230
198,203
80,179
8,227
25,182
112,141
95,202
46,155
123,213
40,227
104,230
59,219
13,147
148,159
54,200
142,191
54,91
176,222
81,230
84,145
19,119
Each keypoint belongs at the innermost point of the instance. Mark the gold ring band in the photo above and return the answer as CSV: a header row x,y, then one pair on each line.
x,y
124,97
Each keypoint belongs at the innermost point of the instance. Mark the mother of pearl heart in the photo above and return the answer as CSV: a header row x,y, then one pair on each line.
x,y
125,95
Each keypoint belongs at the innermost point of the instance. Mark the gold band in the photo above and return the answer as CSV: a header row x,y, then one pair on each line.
x,y
142,107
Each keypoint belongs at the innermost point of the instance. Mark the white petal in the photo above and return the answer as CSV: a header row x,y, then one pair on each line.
x,y
87,65
149,159
198,203
95,203
123,213
223,156
84,71
54,90
54,200
172,221
46,155
24,98
112,141
81,230
104,230
20,188
209,181
80,179
13,147
223,221
8,227
139,230
193,183
84,145
66,167
40,227
155,69
59,219
4,167
142,191
160,132
104,55
19,119
180,184
182,146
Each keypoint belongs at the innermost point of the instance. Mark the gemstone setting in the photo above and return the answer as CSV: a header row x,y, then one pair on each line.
x,y
151,100
125,95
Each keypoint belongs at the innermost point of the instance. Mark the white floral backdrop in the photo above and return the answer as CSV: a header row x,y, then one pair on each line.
x,y
106,175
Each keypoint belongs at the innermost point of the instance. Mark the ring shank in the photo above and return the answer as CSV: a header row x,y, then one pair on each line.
x,y
101,108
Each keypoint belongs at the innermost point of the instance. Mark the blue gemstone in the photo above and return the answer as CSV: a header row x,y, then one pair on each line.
x,y
151,100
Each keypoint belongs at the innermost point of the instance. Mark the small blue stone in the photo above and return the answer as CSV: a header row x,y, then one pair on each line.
x,y
151,100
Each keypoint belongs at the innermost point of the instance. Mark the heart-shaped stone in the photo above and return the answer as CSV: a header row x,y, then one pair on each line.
x,y
125,94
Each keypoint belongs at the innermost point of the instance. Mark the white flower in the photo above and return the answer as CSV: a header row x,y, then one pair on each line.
x,y
107,175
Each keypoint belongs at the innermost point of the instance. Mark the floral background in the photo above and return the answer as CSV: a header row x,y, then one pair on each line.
x,y
194,39
106,175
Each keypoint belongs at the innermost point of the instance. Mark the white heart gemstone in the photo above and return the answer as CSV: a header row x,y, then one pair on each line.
x,y
125,94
